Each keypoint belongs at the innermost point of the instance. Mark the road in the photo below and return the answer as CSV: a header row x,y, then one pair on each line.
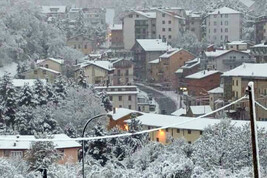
x,y
166,104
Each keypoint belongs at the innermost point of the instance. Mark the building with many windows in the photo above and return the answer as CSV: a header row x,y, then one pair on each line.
x,y
223,25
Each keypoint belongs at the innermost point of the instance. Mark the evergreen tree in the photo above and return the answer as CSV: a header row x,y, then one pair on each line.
x,y
98,148
39,92
5,81
50,94
26,97
81,79
10,106
60,88
106,102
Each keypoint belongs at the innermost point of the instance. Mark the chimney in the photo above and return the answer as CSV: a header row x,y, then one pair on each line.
x,y
114,110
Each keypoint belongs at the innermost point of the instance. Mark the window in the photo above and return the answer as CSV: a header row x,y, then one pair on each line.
x,y
16,154
79,46
120,106
189,142
221,30
157,139
163,21
163,29
233,82
200,132
110,98
163,15
35,72
74,46
221,23
170,29
6,153
170,37
170,21
44,71
192,29
120,98
189,131
226,30
137,15
130,107
226,37
236,82
85,46
46,66
178,130
214,30
119,72
226,23
131,16
130,98
215,23
167,130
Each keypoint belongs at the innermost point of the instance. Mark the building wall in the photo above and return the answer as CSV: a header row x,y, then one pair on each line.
x,y
194,24
123,73
116,39
70,156
261,29
80,43
164,23
217,24
238,47
212,98
51,65
229,61
95,75
162,135
41,74
124,102
198,87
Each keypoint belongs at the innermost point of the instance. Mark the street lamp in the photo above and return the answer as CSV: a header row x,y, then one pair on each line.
x,y
91,119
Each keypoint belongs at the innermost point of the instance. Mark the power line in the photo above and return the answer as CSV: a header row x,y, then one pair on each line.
x,y
263,107
127,134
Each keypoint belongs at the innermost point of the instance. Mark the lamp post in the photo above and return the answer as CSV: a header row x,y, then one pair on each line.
x,y
91,119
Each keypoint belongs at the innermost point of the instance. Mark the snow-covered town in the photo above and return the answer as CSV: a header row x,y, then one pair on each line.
x,y
133,88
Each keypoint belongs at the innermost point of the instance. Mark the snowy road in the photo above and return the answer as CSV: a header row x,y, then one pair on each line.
x,y
165,103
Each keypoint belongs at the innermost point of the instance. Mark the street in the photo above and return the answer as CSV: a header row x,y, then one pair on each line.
x,y
166,104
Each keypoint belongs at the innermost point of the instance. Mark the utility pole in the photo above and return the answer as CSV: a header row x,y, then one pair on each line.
x,y
254,137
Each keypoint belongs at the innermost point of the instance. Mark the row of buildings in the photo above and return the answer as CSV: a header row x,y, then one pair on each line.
x,y
217,27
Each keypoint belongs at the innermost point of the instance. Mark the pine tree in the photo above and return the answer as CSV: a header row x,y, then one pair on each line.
x,y
50,94
98,148
10,106
26,97
60,88
39,92
5,81
106,102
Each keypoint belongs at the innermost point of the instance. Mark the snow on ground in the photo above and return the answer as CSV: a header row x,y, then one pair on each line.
x,y
10,68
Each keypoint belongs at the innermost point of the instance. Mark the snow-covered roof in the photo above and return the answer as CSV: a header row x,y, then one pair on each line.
x,y
9,68
49,70
190,64
116,27
225,10
25,145
247,3
253,70
122,112
216,90
260,45
151,15
53,9
153,44
122,92
237,43
60,61
216,53
170,52
202,74
22,82
156,61
179,71
201,109
179,112
120,86
165,11
157,120
107,65
75,9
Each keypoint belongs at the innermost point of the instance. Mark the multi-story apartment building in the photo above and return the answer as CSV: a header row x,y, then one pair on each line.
x,y
138,25
116,36
144,51
259,52
54,12
235,83
224,60
123,72
168,25
81,43
223,25
96,72
163,69
94,16
193,23
121,96
261,29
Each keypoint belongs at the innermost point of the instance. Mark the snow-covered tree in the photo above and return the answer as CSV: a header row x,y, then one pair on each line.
x,y
39,92
81,79
26,97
